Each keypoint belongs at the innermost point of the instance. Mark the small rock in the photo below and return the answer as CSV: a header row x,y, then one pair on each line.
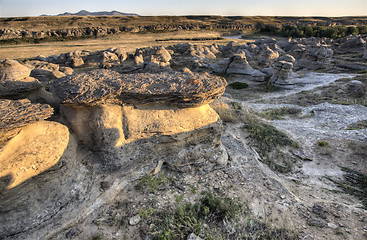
x,y
319,210
192,236
134,220
105,185
316,223
332,225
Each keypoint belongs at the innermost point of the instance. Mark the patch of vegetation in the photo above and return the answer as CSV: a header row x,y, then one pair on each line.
x,y
266,137
287,30
267,141
279,113
214,217
238,85
151,183
358,125
227,113
322,143
355,184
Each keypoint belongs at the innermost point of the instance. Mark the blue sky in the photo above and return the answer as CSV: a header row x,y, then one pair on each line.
x,y
11,8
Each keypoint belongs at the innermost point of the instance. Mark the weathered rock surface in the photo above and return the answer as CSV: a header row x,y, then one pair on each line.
x,y
149,134
353,44
282,72
18,113
15,79
239,65
180,89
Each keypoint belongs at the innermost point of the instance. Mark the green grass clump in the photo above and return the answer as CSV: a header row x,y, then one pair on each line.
x,y
355,184
214,217
151,183
267,138
279,113
238,85
322,143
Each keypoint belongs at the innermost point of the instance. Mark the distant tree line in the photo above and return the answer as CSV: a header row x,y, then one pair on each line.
x,y
312,31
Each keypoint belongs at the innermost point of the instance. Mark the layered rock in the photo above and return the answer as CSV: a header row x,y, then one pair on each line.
x,y
352,44
283,70
239,65
179,89
312,57
15,79
29,147
110,112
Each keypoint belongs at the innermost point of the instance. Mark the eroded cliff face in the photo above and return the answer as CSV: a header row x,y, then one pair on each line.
x,y
54,173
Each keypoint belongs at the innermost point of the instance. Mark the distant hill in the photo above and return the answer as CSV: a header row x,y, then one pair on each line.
x,y
87,13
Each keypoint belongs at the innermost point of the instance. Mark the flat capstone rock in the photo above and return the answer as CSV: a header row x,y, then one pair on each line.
x,y
18,113
100,86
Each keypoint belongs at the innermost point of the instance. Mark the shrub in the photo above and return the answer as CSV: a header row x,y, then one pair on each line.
x,y
322,143
238,85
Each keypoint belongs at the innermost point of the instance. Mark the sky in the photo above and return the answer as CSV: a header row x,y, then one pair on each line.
x,y
16,8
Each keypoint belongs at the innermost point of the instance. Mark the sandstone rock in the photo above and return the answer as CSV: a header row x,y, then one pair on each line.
x,y
66,70
354,44
239,65
365,55
221,66
149,133
11,70
267,55
121,54
43,65
17,113
160,61
312,56
37,147
282,72
139,60
287,58
75,62
45,76
180,89
14,79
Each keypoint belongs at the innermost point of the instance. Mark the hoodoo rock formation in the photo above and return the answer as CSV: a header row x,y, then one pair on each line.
x,y
122,127
111,112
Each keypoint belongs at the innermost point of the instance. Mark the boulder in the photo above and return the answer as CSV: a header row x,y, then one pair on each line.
x,y
283,70
15,79
267,55
353,44
178,89
221,66
43,65
312,57
121,54
45,76
11,70
239,65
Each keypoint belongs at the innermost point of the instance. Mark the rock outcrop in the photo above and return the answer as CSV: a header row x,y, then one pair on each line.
x,y
179,89
108,111
283,70
123,126
15,79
